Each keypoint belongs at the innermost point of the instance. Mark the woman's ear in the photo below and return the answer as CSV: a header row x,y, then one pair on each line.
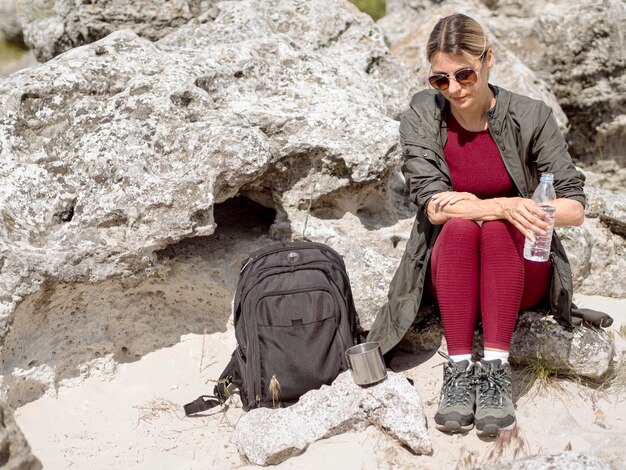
x,y
491,59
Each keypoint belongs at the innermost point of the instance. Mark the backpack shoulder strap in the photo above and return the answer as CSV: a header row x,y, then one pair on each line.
x,y
200,404
220,392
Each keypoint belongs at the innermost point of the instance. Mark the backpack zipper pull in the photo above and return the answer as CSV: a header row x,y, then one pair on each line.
x,y
248,261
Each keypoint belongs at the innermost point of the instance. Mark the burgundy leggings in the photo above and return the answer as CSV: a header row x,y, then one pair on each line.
x,y
482,268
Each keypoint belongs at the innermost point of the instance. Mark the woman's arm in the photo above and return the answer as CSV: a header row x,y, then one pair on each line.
x,y
569,212
521,212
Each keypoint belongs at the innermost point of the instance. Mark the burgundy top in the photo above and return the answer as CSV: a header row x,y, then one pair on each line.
x,y
475,163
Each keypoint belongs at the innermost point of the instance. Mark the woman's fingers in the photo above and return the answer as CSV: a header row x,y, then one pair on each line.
x,y
451,197
528,218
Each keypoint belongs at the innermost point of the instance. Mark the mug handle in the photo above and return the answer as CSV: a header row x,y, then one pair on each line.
x,y
348,360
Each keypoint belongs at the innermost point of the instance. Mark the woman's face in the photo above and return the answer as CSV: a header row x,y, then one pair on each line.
x,y
464,97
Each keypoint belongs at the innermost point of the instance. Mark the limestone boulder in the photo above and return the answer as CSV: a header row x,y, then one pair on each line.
x,y
605,174
15,453
335,28
270,436
609,207
10,25
597,249
53,27
116,157
568,460
584,351
578,52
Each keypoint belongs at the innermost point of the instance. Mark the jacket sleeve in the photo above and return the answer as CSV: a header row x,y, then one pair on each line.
x,y
551,155
421,167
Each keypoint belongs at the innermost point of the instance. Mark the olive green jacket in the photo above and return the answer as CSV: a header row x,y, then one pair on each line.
x,y
530,143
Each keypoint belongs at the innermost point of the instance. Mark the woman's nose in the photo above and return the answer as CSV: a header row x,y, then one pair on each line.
x,y
453,86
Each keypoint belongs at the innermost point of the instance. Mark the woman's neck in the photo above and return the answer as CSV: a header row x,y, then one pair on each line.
x,y
475,119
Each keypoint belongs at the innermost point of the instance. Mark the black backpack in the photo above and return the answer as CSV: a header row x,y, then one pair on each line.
x,y
294,319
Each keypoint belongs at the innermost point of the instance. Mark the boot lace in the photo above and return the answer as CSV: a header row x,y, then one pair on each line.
x,y
492,383
457,385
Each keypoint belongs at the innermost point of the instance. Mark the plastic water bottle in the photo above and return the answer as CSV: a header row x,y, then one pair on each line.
x,y
544,196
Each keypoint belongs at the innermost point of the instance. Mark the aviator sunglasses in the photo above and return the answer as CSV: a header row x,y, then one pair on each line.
x,y
464,77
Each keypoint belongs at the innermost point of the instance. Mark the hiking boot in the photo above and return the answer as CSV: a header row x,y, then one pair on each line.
x,y
458,395
494,397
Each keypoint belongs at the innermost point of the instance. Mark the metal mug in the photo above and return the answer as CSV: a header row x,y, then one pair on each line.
x,y
366,363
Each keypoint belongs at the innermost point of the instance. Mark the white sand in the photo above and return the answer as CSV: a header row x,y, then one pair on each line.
x,y
135,418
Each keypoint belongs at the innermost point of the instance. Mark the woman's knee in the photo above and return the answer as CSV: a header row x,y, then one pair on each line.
x,y
457,236
461,227
501,236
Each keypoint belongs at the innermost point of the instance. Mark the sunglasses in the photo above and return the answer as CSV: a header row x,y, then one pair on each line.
x,y
464,77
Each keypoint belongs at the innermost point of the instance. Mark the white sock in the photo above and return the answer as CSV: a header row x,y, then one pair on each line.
x,y
493,355
461,357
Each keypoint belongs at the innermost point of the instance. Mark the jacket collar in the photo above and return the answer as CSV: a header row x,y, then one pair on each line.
x,y
495,115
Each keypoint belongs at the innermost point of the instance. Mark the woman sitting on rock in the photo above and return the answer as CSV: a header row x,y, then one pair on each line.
x,y
474,153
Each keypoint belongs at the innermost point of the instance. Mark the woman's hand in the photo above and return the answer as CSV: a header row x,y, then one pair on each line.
x,y
525,215
450,198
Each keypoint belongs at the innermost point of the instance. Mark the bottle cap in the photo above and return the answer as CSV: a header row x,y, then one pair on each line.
x,y
547,177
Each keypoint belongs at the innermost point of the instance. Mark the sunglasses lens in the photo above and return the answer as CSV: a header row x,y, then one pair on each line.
x,y
466,77
439,82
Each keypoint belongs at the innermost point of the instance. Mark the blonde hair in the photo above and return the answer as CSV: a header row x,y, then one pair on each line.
x,y
457,34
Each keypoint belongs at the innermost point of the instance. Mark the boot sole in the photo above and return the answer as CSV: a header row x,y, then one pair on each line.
x,y
492,430
453,427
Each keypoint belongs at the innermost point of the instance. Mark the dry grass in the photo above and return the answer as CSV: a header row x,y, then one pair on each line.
x,y
156,408
202,354
542,377
389,454
622,331
510,444
274,389
615,381
467,460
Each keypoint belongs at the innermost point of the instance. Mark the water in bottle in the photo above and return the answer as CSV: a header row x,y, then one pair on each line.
x,y
544,196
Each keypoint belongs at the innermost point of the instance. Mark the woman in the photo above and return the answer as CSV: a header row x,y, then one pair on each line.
x,y
474,153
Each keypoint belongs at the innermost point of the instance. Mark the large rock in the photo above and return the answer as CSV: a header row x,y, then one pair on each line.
x,y
52,27
137,176
10,26
270,436
409,23
579,52
606,174
15,453
583,351
567,460
597,249
609,207
114,154
333,28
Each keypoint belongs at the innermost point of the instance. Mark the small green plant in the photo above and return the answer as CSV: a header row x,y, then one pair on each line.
x,y
622,331
541,374
375,8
